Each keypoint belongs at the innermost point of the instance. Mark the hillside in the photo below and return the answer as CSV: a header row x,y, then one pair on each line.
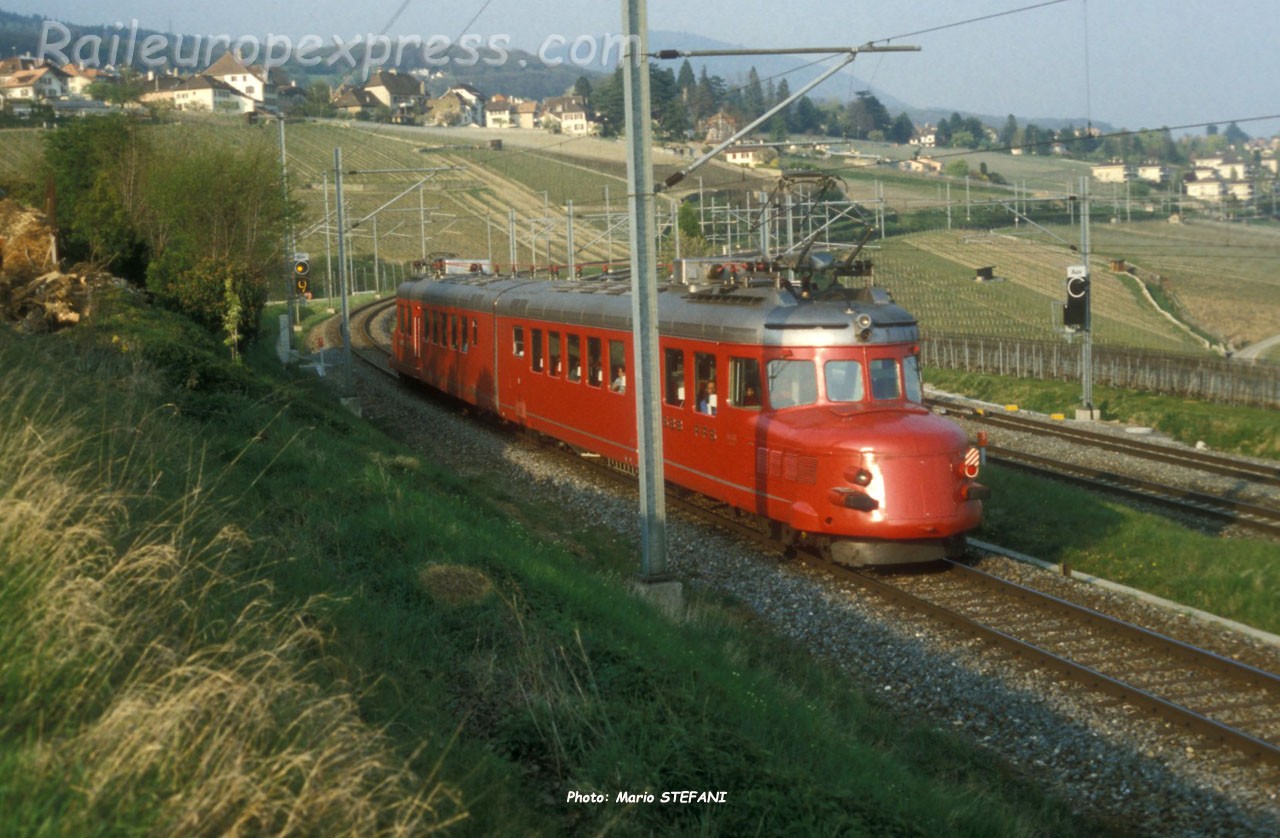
x,y
1217,276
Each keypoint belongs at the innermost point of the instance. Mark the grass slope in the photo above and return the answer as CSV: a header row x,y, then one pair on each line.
x,y
229,606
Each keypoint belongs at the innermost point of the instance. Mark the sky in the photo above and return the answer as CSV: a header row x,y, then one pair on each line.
x,y
1127,63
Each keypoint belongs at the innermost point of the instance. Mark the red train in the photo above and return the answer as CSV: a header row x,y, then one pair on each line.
x,y
804,409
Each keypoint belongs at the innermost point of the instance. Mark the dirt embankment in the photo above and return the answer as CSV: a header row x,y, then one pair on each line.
x,y
35,294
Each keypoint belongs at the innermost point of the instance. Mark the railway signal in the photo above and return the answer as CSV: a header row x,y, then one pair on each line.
x,y
301,272
1076,314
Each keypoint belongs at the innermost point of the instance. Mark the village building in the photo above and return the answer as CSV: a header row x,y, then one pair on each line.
x,y
158,89
922,165
527,115
208,94
255,82
404,95
569,115
32,85
354,101
1114,172
749,155
717,128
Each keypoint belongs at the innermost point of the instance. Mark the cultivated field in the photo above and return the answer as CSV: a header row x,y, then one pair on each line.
x,y
1225,276
933,275
480,202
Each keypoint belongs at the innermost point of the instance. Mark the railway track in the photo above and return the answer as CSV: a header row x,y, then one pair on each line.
x,y
1204,697
1220,508
1235,468
1217,700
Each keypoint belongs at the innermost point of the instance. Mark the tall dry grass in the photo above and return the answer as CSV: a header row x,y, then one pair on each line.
x,y
146,682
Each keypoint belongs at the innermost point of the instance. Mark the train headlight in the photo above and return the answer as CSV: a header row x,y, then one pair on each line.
x,y
863,324
861,477
853,499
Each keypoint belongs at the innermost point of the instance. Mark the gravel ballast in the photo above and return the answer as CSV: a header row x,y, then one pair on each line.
x,y
1102,758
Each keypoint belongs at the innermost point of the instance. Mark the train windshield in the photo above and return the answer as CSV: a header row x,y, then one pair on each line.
x,y
911,375
792,383
844,381
896,378
886,381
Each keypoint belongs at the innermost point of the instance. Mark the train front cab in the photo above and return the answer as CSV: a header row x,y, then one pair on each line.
x,y
831,442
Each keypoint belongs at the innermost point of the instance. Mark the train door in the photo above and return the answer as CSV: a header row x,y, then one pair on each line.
x,y
415,334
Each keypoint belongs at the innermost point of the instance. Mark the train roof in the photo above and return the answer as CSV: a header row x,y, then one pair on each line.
x,y
757,312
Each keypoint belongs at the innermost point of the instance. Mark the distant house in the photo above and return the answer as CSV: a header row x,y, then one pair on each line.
x,y
205,93
569,114
1153,172
354,101
79,79
403,94
1112,172
1210,190
42,82
14,64
158,89
922,165
926,136
748,155
526,115
718,127
256,83
499,112
1241,190
1232,167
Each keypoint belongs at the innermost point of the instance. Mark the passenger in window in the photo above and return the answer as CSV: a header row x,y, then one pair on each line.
x,y
619,384
707,401
750,398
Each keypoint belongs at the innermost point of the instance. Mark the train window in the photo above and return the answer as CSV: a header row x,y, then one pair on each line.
x,y
844,381
595,370
704,369
744,382
554,363
911,374
441,329
574,345
453,331
535,347
475,332
464,342
792,383
885,380
517,341
673,363
617,367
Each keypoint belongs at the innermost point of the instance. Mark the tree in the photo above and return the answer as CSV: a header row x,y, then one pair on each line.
x,y
806,118
902,129
686,81
96,166
866,114
609,103
1235,136
1032,137
582,87
1009,132
318,101
753,101
781,94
